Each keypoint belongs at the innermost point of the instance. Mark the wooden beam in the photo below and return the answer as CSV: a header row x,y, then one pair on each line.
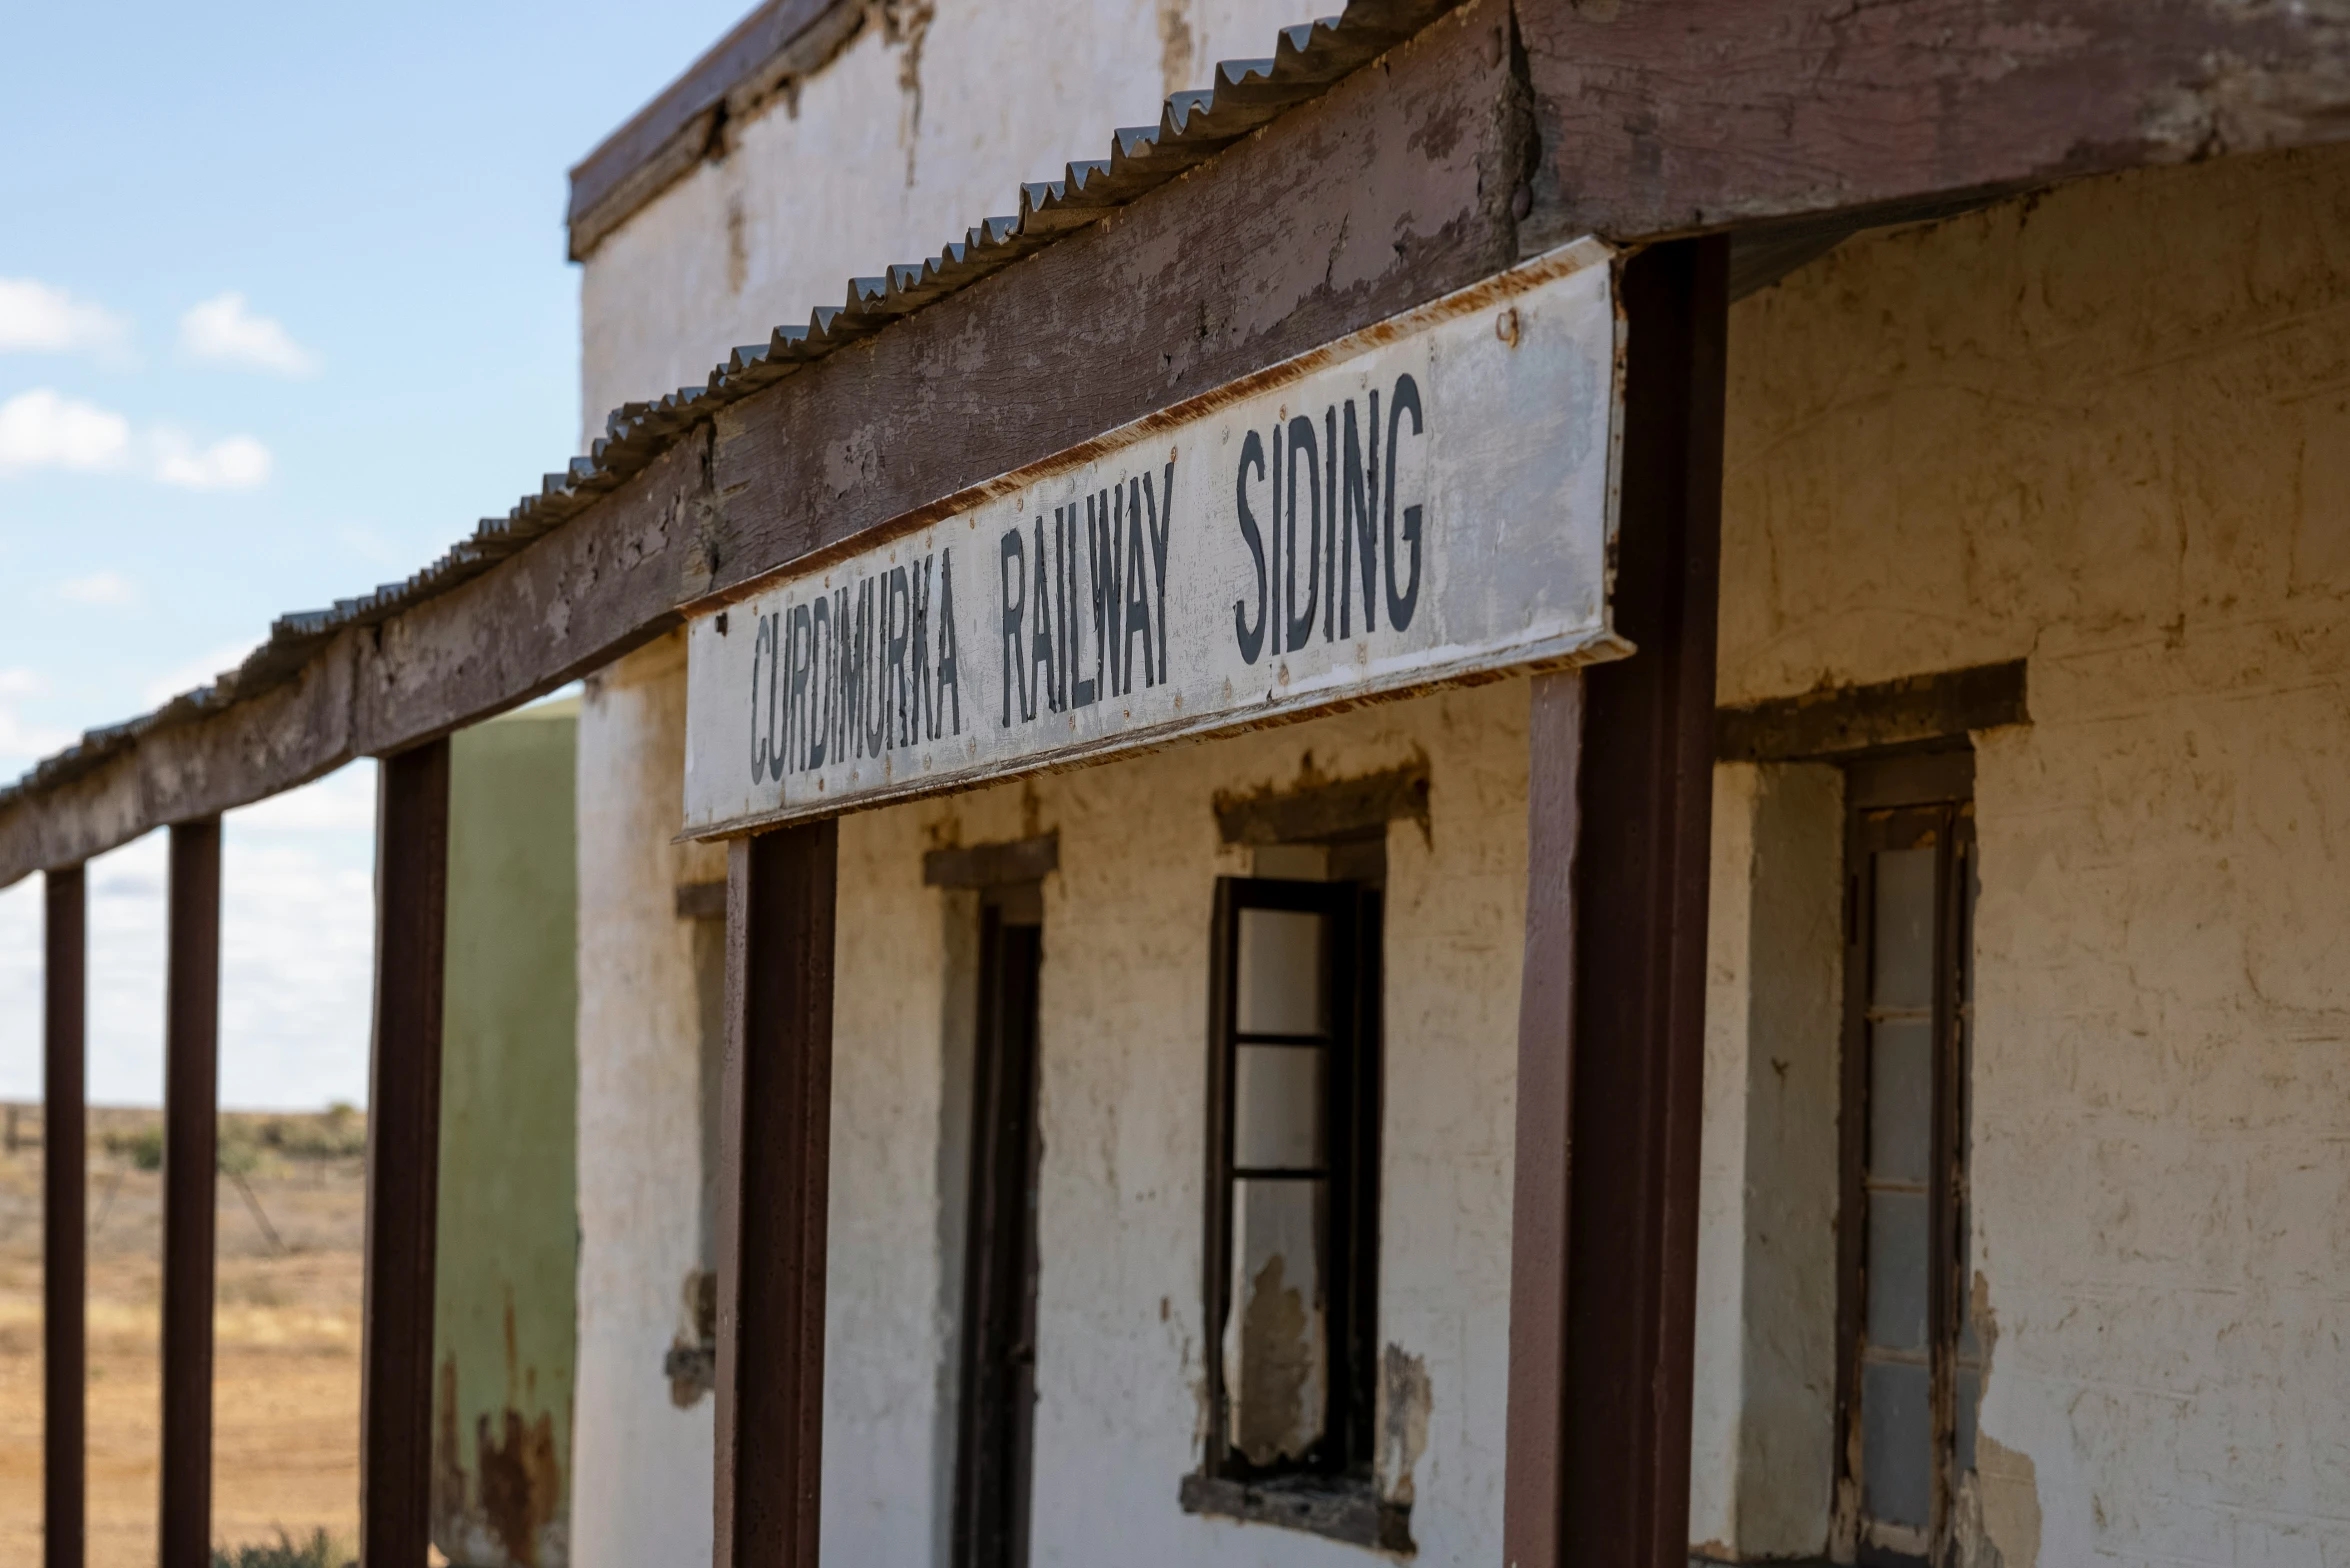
x,y
1641,870
774,1170
65,1163
1667,116
1500,131
403,1158
1840,720
568,604
191,1121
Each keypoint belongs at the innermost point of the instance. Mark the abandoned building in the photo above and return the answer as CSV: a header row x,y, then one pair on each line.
x,y
1560,783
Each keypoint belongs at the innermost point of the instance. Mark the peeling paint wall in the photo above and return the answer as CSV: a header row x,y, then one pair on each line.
x,y
641,1460
1121,1350
927,122
2108,430
503,1298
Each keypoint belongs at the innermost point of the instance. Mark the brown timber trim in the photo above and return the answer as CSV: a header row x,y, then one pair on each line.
x,y
191,1120
1534,1482
1640,883
1309,813
1340,1510
1665,116
403,1156
1846,719
993,865
774,1170
687,121
64,1215
1404,180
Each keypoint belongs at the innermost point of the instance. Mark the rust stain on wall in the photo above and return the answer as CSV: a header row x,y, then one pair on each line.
x,y
521,1481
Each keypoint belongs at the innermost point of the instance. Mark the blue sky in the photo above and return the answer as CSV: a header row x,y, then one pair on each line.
x,y
283,310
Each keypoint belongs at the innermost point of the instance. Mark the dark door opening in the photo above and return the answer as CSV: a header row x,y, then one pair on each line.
x,y
998,1406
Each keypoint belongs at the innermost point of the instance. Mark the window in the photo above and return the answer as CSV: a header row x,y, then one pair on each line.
x,y
1911,1368
1293,1199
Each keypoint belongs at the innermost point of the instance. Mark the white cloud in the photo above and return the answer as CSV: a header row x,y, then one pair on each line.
x,y
44,429
41,429
222,329
238,463
37,317
99,588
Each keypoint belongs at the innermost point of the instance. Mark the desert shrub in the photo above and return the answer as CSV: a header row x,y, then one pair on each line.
x,y
319,1551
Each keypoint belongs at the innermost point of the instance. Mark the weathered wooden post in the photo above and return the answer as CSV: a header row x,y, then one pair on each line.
x,y
191,1118
1612,1028
403,1157
775,1148
64,1215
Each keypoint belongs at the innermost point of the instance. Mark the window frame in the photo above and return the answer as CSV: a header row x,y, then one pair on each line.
x,y
1897,803
1352,1095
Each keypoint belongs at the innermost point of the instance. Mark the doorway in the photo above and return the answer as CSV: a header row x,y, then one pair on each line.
x,y
998,1377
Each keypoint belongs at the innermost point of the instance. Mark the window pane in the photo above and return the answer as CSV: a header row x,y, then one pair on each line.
x,y
1280,979
1901,1100
1897,1270
1276,1354
1904,967
1897,1443
1277,1106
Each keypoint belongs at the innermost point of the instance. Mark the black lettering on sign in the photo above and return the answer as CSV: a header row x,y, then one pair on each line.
x,y
918,655
1250,636
820,718
1162,528
760,741
1400,602
1350,506
1043,657
1138,607
1302,444
1013,573
1084,691
950,689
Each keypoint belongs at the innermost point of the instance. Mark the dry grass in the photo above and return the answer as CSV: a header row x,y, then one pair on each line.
x,y
286,1357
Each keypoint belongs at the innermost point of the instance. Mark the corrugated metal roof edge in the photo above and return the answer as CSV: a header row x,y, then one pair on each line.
x,y
1193,126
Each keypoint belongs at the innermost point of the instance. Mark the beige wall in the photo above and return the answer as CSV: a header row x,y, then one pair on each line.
x,y
925,124
1123,1049
2108,430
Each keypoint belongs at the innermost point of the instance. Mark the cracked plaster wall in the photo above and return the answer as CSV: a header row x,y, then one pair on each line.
x,y
2108,430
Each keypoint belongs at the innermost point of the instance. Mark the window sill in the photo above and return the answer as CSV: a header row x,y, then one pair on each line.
x,y
1336,1510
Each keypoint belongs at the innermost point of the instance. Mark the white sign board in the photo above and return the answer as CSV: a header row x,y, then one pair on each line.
x,y
1430,499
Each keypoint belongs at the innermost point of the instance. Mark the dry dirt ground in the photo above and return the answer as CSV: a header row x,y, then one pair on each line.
x,y
286,1369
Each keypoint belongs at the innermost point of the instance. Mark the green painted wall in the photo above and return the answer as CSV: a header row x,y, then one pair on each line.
x,y
503,1335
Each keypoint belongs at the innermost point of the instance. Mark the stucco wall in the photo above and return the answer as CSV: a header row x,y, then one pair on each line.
x,y
2108,430
924,125
641,1463
1123,1049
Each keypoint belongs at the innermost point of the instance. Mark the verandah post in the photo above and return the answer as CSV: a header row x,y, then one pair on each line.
x,y
774,1168
64,1215
191,1119
1612,1027
403,1157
